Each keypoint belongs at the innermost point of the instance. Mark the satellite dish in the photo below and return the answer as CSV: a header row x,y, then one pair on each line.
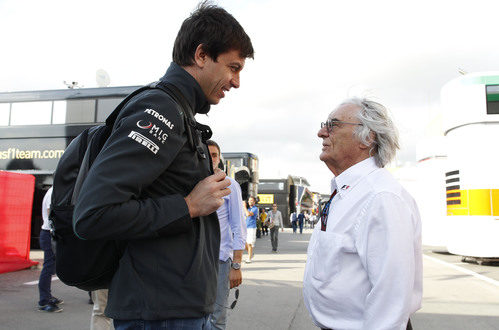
x,y
102,78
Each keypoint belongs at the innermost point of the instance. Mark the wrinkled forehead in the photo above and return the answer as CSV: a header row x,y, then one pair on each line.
x,y
344,112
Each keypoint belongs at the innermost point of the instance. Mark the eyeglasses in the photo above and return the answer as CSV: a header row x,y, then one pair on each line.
x,y
236,295
332,123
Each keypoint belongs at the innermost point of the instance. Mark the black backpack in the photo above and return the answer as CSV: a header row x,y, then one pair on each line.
x,y
91,264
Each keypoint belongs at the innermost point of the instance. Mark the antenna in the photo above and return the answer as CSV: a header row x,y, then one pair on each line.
x,y
72,84
102,78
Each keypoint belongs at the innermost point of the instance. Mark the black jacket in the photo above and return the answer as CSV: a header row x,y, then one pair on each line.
x,y
135,192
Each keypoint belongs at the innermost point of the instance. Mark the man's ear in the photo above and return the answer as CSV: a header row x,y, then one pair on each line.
x,y
200,56
371,141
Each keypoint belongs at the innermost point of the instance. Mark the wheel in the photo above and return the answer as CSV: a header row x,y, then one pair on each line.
x,y
463,259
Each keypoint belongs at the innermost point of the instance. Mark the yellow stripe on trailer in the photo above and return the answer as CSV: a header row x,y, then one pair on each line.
x,y
473,202
494,196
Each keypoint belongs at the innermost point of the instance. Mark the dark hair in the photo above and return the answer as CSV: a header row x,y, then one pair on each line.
x,y
214,28
213,143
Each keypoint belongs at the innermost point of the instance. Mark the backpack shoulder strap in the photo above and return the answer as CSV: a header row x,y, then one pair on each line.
x,y
112,117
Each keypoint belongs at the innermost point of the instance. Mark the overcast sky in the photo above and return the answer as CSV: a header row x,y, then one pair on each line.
x,y
309,56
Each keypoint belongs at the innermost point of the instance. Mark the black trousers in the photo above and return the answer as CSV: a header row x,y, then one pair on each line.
x,y
409,326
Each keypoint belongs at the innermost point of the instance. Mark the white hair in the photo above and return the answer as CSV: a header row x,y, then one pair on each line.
x,y
374,118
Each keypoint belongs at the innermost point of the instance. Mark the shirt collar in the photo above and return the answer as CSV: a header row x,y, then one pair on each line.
x,y
189,87
352,175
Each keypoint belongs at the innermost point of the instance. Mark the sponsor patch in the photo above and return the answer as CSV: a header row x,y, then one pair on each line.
x,y
154,130
160,117
144,124
141,139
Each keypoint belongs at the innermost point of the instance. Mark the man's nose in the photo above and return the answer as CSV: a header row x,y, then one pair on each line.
x,y
235,81
323,132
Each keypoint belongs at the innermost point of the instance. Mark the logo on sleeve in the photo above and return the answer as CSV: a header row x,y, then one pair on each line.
x,y
144,125
141,139
161,118
154,130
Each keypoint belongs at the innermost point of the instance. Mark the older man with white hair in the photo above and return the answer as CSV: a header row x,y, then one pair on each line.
x,y
364,263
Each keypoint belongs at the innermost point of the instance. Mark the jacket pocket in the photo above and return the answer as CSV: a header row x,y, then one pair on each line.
x,y
327,256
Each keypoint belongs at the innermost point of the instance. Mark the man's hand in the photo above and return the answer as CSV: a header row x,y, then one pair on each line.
x,y
235,277
206,197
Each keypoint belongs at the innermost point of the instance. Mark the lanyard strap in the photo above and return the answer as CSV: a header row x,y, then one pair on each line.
x,y
325,211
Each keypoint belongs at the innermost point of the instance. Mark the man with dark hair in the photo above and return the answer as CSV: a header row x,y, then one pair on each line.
x,y
211,27
232,240
153,187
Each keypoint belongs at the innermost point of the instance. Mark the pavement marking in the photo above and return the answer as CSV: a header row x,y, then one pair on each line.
x,y
54,278
463,270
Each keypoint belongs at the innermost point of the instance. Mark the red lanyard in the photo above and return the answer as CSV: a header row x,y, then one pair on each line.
x,y
325,211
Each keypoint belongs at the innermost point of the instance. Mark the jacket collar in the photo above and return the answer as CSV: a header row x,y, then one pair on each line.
x,y
189,87
352,176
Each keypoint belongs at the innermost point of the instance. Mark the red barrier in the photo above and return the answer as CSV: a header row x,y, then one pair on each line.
x,y
16,199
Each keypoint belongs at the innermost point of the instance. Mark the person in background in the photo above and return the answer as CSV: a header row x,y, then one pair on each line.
x,y
307,219
313,220
293,218
259,228
275,222
232,242
251,219
47,302
264,222
301,219
364,259
98,320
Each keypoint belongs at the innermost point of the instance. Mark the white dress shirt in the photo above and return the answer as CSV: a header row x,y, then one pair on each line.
x,y
232,224
365,271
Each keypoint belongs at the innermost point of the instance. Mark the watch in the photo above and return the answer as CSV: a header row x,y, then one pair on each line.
x,y
235,265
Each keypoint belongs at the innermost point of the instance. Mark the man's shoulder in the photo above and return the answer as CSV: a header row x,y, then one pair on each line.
x,y
381,185
378,181
154,102
154,111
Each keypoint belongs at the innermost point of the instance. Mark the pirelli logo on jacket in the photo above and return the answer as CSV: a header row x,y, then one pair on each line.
x,y
141,139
